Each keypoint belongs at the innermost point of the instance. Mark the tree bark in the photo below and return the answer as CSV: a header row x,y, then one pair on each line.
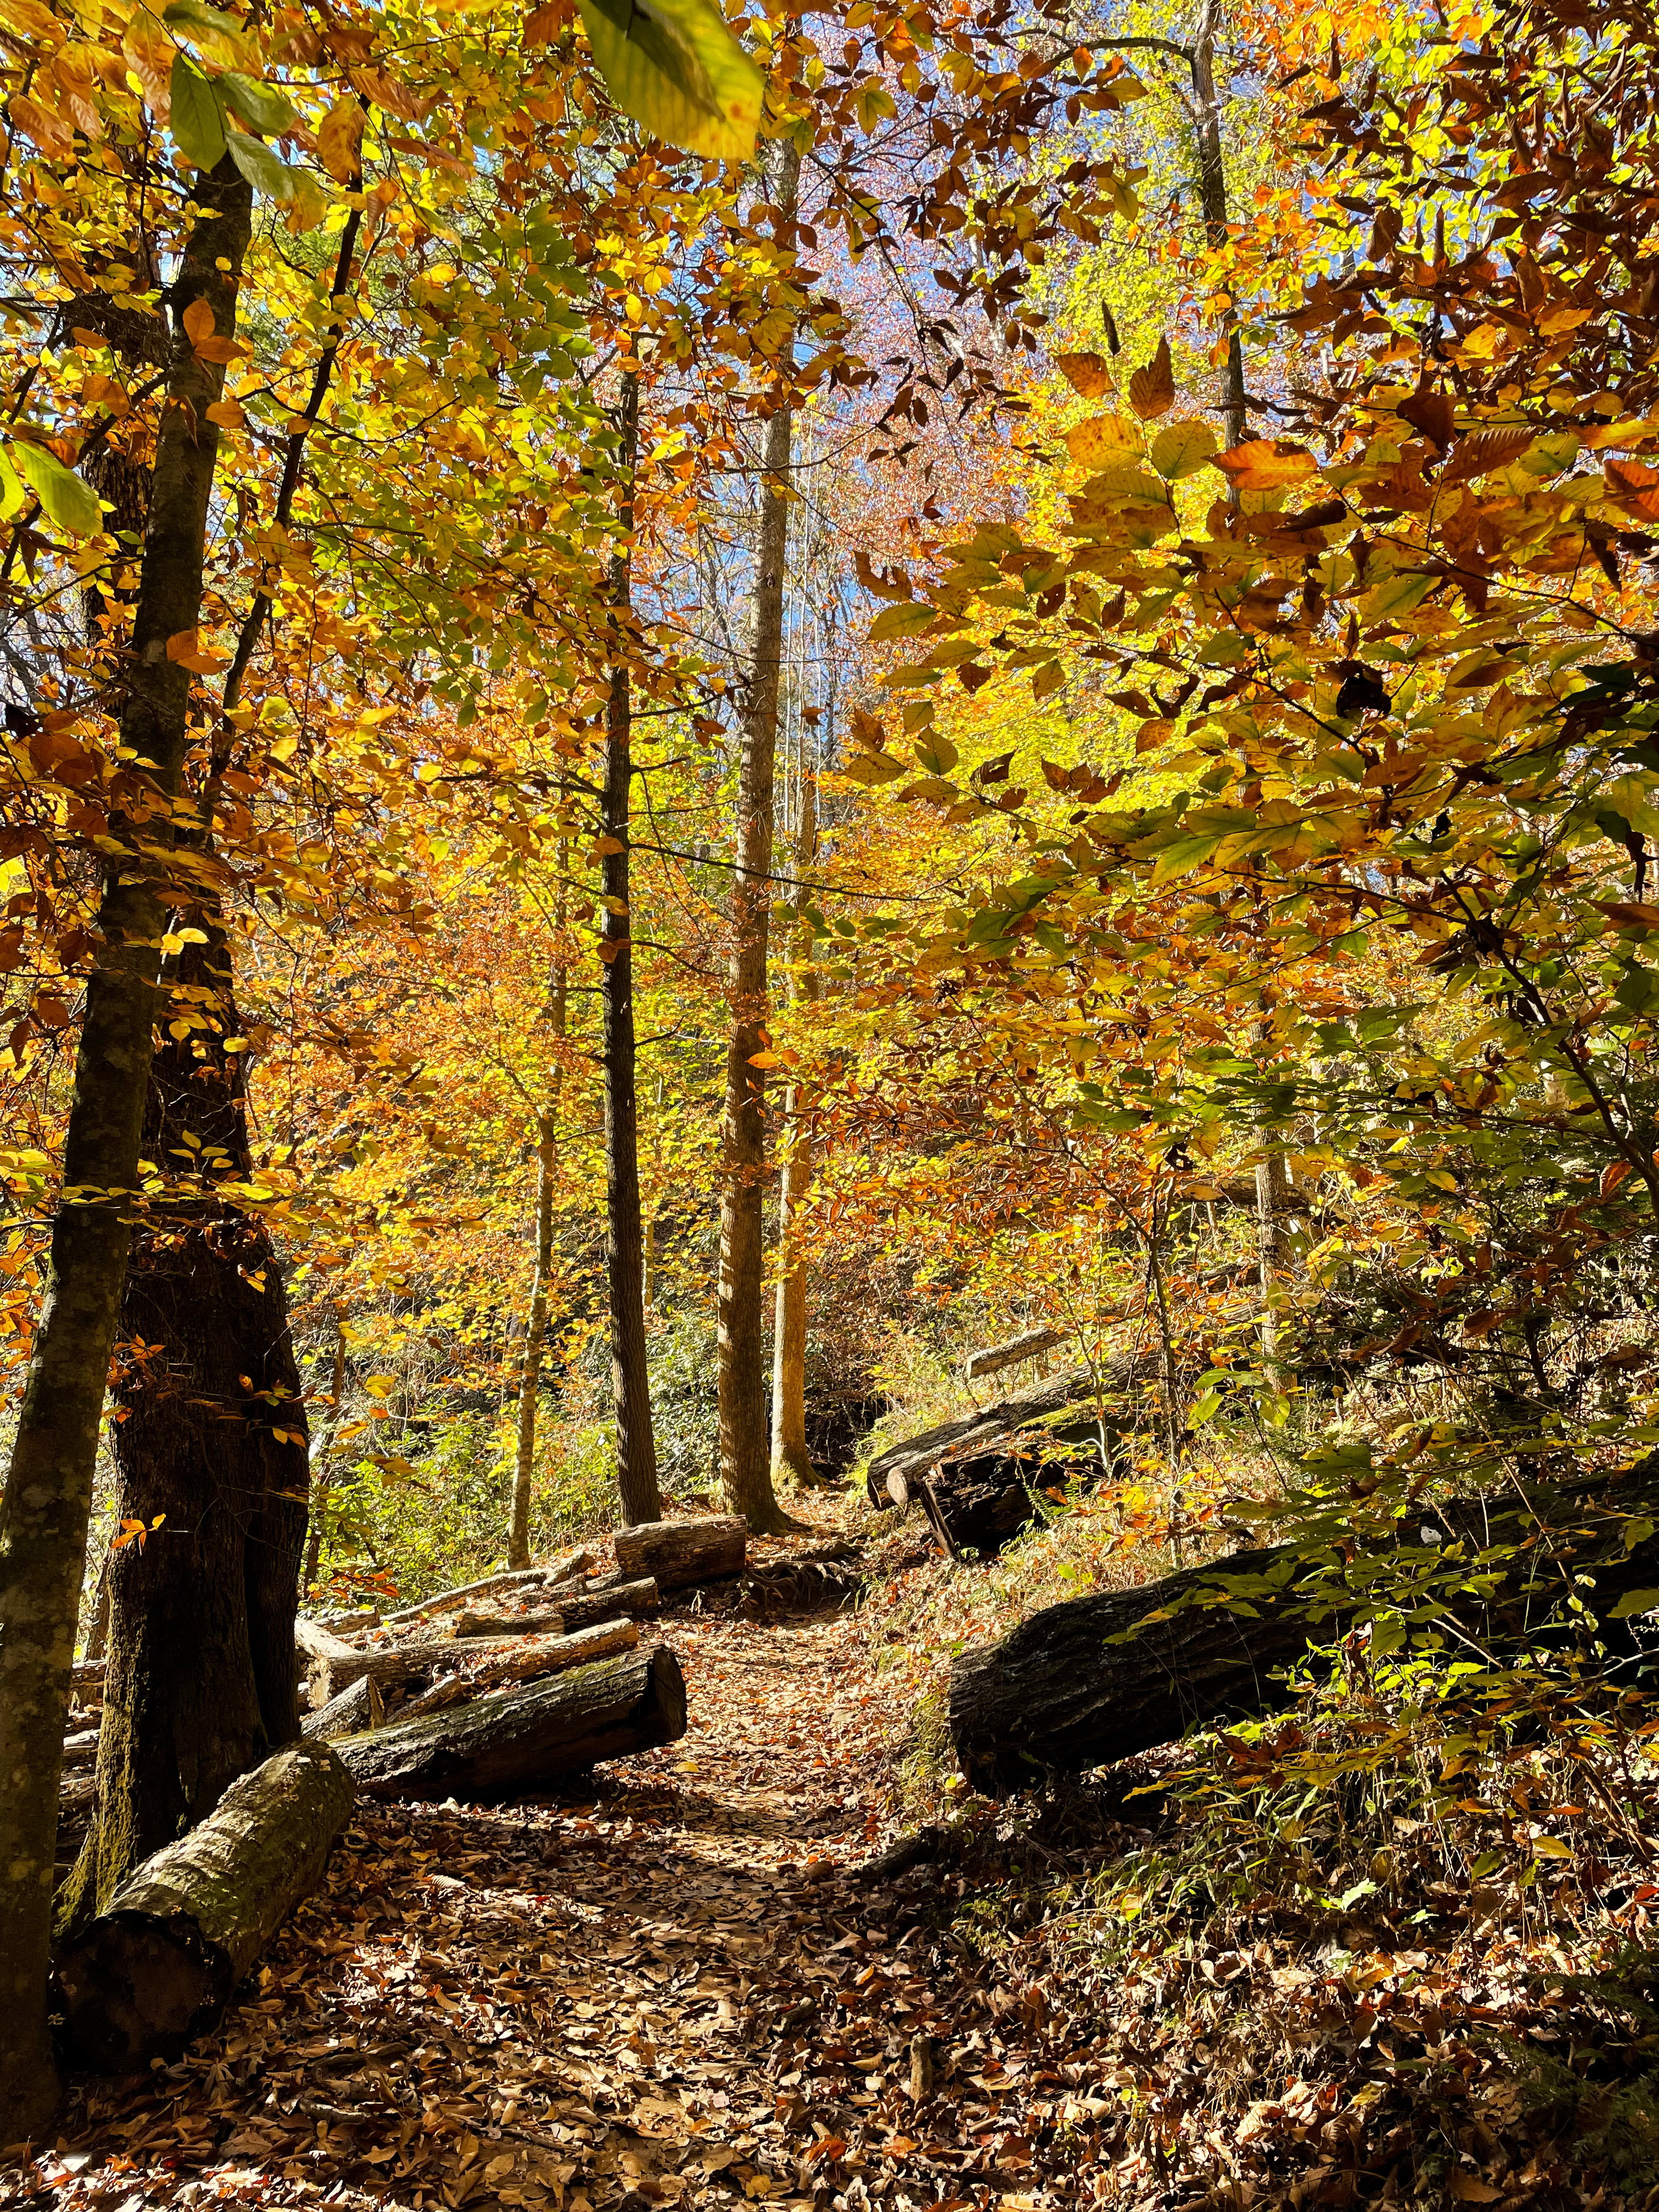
x,y
678,1554
158,1966
535,1336
580,1609
533,1656
987,1429
1213,197
636,1446
211,1438
321,1479
499,1747
791,1462
525,1578
359,1706
48,1491
1061,1693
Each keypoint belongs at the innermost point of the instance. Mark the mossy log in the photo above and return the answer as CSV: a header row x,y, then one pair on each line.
x,y
499,1747
1104,1678
158,1967
676,1554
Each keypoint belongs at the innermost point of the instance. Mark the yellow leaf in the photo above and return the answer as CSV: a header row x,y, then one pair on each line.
x,y
1181,447
227,413
765,1059
185,646
1550,1847
339,137
1104,438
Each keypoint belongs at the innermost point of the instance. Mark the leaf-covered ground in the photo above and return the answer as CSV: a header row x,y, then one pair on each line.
x,y
704,1984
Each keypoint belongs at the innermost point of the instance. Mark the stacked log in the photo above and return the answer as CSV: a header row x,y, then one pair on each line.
x,y
158,1966
977,1477
498,1748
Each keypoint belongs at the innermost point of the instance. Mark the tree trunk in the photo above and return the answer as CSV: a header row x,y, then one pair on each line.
x,y
158,1966
499,1747
322,1476
201,1683
746,1458
791,1462
535,1335
1272,1194
678,1554
1212,196
48,1491
1060,1694
636,1445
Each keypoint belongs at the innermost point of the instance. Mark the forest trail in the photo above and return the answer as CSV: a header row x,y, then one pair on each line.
x,y
677,1991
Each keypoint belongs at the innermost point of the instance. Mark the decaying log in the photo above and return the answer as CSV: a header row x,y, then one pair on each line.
x,y
393,1669
349,1621
996,1356
508,1624
159,1966
678,1553
360,1705
317,1642
510,1578
635,1600
498,1748
1059,1408
79,1749
1059,1694
531,1657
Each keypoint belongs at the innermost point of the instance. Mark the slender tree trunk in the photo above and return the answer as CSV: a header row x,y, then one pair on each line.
x,y
1212,196
322,1477
535,1336
746,1458
48,1491
636,1445
1272,1191
791,1461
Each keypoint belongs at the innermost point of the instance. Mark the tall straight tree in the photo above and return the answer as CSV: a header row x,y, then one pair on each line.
x,y
48,1491
636,1446
791,1462
535,1332
745,1460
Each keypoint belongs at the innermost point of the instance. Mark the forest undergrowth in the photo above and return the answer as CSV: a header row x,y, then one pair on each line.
x,y
792,1960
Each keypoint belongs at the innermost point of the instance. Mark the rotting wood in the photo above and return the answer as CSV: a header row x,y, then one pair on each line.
x,y
634,1599
394,1667
157,1968
534,1656
498,1748
1060,1694
512,1578
985,1429
362,1704
996,1357
679,1554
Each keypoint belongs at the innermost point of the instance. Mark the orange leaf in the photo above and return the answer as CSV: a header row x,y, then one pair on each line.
x,y
185,648
1086,373
198,320
227,413
1612,1177
1264,464
1151,389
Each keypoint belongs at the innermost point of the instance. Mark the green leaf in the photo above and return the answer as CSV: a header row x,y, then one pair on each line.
x,y
260,166
199,123
909,619
220,35
260,107
1635,1601
12,493
675,68
1181,448
72,505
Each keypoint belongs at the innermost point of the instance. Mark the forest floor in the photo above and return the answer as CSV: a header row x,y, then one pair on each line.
x,y
689,1987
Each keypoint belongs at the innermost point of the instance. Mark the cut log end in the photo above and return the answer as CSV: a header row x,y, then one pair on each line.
x,y
135,1988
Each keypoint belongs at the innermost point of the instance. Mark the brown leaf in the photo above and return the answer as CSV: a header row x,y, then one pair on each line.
x,y
1087,374
1151,389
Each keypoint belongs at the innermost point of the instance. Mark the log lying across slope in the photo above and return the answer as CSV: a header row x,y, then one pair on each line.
x,y
158,1966
973,1475
1058,1694
499,1747
678,1553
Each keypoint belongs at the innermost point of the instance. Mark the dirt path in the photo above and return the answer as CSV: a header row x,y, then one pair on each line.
x,y
679,1992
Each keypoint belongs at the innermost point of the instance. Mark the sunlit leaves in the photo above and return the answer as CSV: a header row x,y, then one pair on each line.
x,y
674,66
198,122
69,502
1181,448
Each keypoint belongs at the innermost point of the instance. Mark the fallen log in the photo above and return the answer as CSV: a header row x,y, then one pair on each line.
x,y
533,1656
81,1749
158,1966
577,1608
678,1553
996,1357
360,1705
1061,1693
509,1578
974,1476
393,1669
316,1642
498,1748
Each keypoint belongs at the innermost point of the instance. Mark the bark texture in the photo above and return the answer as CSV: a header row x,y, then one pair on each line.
x,y
501,1746
792,1461
745,1445
524,1579
532,1657
637,1491
535,1337
1059,1407
48,1491
1059,1694
576,1609
359,1706
158,1966
202,1682
678,1553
